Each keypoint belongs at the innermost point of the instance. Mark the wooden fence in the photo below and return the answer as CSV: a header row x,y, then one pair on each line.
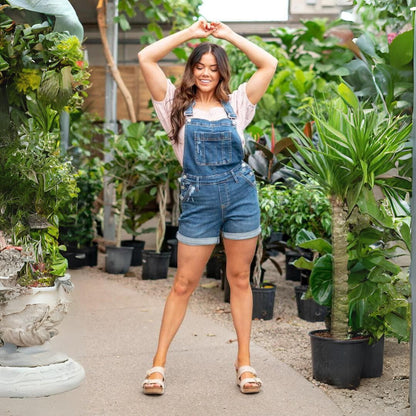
x,y
134,81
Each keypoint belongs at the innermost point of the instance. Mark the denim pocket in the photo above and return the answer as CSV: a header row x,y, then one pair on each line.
x,y
248,175
186,189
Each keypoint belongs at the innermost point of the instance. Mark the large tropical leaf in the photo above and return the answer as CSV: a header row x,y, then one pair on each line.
x,y
66,18
321,280
401,49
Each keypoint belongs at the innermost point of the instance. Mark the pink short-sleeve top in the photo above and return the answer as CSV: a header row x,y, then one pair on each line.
x,y
239,101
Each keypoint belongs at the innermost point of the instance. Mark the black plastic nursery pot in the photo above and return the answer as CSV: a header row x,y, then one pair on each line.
x,y
92,255
227,291
373,362
292,272
80,257
138,247
214,267
173,248
155,265
170,234
263,301
308,309
75,259
337,362
226,287
118,259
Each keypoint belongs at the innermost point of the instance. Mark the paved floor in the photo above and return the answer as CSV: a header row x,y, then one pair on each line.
x,y
111,330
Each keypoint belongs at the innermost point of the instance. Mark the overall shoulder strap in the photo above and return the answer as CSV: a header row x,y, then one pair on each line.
x,y
229,110
190,110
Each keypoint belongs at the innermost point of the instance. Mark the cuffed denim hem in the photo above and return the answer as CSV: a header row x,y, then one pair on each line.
x,y
242,236
205,241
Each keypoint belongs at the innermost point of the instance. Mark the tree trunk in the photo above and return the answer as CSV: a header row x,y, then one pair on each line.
x,y
257,268
121,215
175,207
101,12
162,196
339,311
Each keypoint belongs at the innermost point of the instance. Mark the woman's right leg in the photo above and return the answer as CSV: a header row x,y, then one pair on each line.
x,y
191,263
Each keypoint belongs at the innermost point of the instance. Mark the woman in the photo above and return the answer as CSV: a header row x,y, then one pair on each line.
x,y
218,191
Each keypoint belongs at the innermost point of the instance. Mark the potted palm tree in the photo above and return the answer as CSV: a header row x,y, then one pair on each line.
x,y
357,151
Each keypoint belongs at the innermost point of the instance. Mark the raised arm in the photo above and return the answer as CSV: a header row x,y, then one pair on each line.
x,y
150,55
266,64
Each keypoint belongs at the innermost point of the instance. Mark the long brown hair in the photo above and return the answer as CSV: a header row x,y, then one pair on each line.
x,y
186,91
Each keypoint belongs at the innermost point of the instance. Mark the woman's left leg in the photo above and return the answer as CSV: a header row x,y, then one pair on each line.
x,y
240,254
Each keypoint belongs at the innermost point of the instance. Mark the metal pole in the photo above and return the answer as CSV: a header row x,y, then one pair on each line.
x,y
412,380
64,126
110,122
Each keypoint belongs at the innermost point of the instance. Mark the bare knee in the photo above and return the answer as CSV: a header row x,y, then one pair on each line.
x,y
183,286
239,280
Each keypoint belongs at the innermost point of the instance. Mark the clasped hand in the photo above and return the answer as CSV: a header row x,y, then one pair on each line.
x,y
202,29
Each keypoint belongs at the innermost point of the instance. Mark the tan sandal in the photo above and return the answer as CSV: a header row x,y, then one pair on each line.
x,y
155,386
250,384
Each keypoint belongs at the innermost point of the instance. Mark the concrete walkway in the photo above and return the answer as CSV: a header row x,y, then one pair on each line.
x,y
111,330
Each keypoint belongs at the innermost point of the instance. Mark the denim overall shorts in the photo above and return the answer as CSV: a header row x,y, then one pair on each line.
x,y
217,188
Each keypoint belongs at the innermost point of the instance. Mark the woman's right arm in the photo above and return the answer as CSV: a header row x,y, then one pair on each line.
x,y
150,56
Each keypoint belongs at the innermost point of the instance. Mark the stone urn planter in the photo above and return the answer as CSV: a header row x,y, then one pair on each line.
x,y
28,320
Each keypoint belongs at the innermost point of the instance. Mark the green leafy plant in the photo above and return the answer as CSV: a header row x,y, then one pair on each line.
x,y
38,64
77,223
266,157
36,184
303,205
164,170
178,13
269,157
269,202
129,167
310,62
41,71
138,212
384,76
378,16
312,45
378,290
356,148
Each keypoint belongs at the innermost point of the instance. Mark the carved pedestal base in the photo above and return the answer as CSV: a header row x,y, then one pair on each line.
x,y
37,372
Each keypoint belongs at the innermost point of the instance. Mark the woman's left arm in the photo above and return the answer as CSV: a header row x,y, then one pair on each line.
x,y
266,64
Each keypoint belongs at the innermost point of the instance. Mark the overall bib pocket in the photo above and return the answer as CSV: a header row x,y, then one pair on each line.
x,y
213,148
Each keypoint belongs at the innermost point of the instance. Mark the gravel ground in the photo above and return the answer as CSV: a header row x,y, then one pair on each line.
x,y
286,337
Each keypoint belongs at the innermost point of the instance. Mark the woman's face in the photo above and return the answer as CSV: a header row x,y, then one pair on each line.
x,y
206,74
